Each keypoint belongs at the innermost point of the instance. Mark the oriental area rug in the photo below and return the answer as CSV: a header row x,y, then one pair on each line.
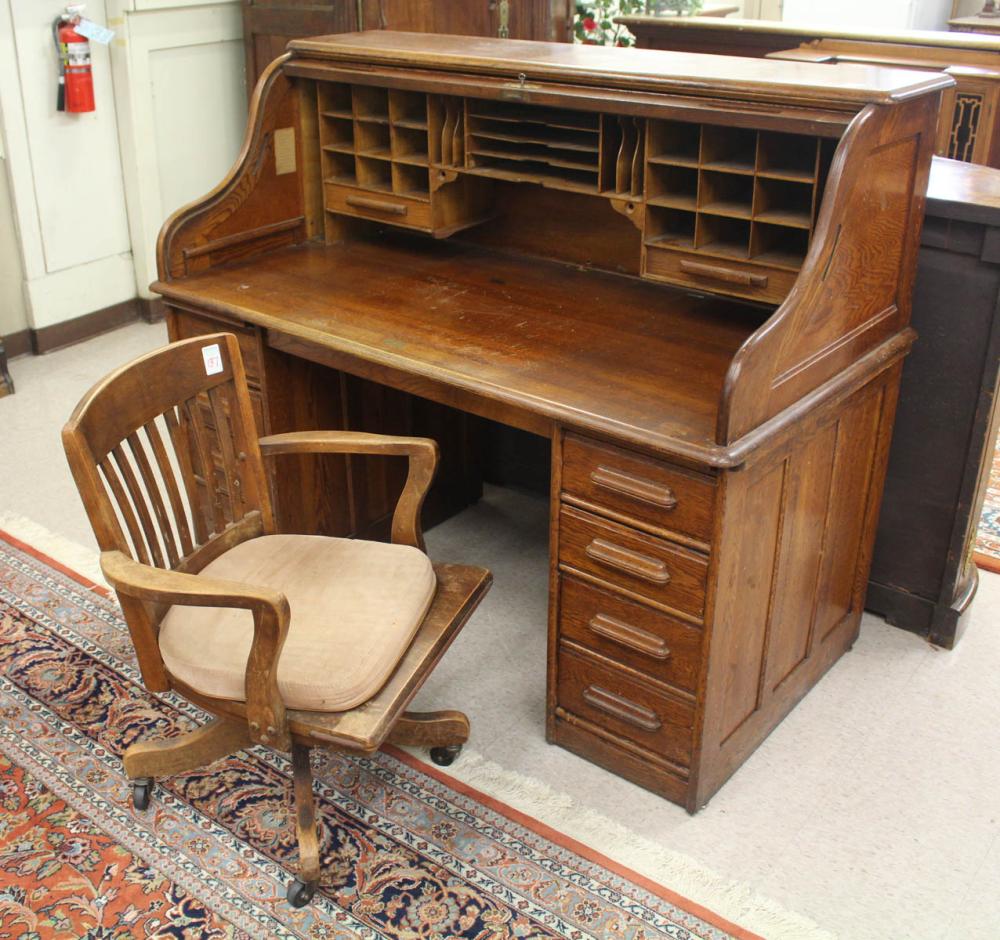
x,y
988,537
407,852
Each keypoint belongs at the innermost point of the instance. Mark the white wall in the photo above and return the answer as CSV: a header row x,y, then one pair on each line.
x,y
13,314
65,173
870,14
762,9
182,108
89,192
968,7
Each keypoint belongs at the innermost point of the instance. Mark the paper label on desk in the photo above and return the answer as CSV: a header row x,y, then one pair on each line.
x,y
284,151
213,359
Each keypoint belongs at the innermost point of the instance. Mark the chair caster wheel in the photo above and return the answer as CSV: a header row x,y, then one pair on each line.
x,y
300,892
444,756
142,788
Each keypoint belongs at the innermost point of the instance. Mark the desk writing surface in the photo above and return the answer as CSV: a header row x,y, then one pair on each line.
x,y
966,191
569,344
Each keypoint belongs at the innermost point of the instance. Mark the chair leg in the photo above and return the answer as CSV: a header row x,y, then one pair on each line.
x,y
444,732
168,756
302,889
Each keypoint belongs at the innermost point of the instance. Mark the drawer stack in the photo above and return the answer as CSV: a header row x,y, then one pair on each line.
x,y
634,537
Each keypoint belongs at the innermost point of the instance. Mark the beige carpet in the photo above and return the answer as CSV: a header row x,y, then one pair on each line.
x,y
873,810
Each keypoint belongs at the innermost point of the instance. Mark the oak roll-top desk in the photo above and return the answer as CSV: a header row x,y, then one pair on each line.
x,y
690,274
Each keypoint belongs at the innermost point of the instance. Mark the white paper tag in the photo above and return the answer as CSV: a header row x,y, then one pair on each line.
x,y
213,359
90,30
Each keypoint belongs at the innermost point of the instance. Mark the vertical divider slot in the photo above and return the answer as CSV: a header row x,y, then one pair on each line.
x,y
336,132
637,187
611,145
622,155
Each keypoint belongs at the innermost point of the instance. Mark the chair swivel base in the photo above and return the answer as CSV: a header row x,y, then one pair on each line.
x,y
300,892
445,756
142,789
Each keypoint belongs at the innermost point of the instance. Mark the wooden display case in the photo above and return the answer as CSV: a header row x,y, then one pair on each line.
x,y
969,123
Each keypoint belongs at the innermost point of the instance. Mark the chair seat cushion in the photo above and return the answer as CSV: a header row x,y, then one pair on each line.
x,y
355,607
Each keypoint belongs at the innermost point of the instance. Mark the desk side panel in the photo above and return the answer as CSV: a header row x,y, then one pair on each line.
x,y
795,548
266,200
855,288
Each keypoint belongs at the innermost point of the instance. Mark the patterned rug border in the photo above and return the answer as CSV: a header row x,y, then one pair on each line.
x,y
570,844
986,554
986,562
765,914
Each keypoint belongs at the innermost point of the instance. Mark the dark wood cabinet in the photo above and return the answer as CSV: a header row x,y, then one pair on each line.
x,y
923,577
268,25
510,19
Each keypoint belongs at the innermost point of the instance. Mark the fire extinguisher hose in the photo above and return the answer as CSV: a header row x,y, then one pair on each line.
x,y
61,92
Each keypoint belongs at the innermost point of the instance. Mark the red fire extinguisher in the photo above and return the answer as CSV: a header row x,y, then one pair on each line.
x,y
76,80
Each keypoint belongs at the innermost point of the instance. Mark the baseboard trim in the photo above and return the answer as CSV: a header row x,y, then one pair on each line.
x,y
153,309
17,344
49,338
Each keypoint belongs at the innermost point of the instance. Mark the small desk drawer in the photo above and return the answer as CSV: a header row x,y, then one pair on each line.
x,y
636,486
630,633
731,276
615,701
648,566
377,205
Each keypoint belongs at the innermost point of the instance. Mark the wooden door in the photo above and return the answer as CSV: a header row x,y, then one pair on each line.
x,y
268,25
514,19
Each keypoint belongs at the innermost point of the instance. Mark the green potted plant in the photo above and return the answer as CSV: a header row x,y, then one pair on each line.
x,y
595,19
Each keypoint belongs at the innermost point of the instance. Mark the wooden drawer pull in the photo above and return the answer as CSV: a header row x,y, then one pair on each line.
x,y
626,635
621,708
624,559
729,275
376,205
636,487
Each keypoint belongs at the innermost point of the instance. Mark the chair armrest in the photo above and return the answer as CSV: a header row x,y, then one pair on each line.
x,y
422,451
265,708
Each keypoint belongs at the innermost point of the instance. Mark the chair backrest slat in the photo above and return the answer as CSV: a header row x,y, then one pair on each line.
x,y
165,454
182,449
169,479
139,503
124,509
155,497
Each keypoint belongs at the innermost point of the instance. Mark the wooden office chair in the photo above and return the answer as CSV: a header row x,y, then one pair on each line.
x,y
291,641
